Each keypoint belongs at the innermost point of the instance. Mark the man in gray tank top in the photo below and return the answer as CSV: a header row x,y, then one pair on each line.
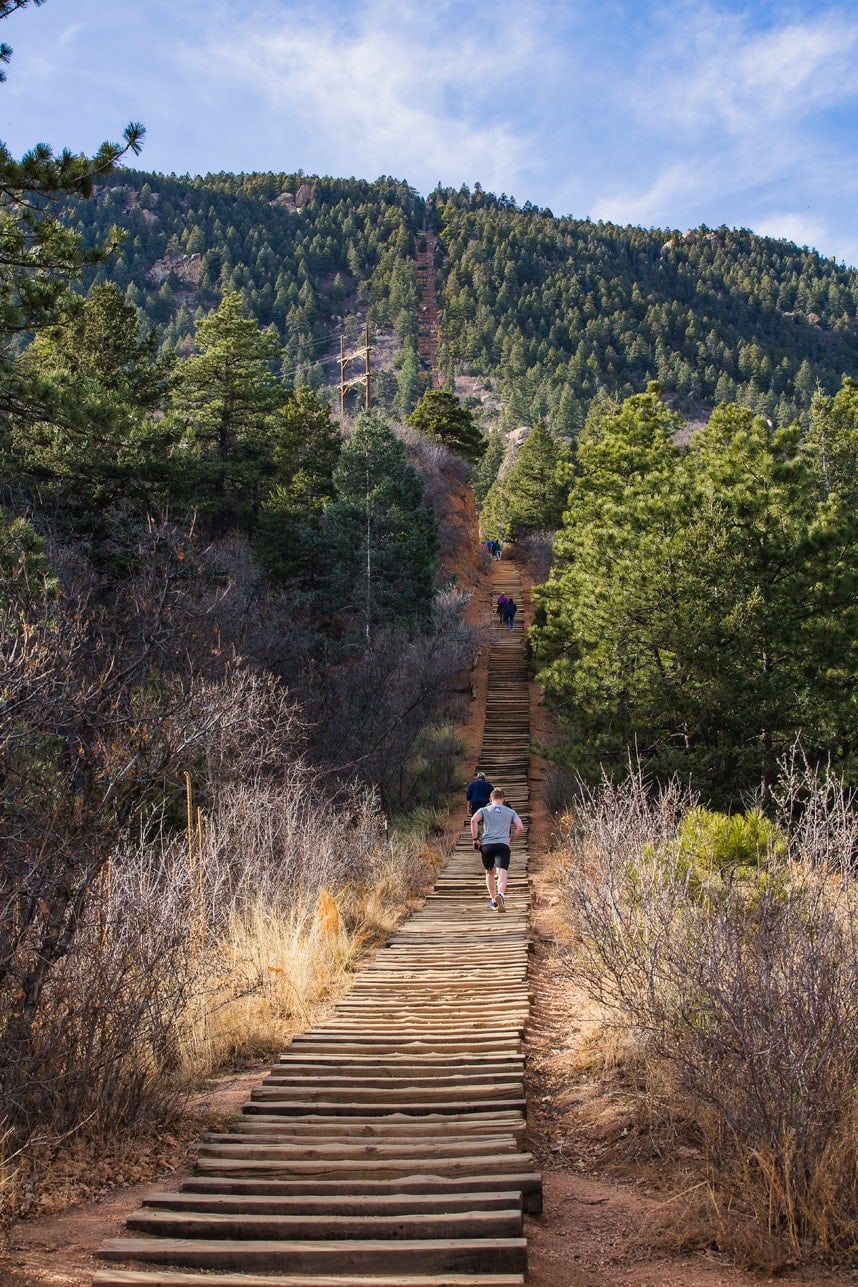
x,y
500,825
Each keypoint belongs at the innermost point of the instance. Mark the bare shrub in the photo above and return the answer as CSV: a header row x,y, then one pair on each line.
x,y
369,713
742,988
558,789
538,549
432,458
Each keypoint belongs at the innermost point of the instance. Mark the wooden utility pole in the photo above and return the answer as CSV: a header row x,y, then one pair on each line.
x,y
348,382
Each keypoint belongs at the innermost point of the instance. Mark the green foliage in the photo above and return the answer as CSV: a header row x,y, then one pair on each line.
x,y
39,255
831,445
96,447
441,415
487,470
306,446
347,250
223,401
563,309
558,311
26,576
704,601
708,842
532,494
379,542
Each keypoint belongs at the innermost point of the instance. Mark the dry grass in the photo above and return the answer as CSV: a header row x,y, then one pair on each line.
x,y
205,949
735,997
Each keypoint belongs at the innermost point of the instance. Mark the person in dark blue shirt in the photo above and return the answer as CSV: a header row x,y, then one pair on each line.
x,y
479,792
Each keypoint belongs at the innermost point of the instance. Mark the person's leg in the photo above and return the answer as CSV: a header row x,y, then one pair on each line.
x,y
502,870
491,882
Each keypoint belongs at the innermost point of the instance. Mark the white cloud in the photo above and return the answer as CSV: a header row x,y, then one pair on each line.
x,y
726,123
710,71
793,225
390,87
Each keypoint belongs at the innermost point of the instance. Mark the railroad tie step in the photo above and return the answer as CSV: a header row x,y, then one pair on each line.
x,y
244,1226
346,1256
343,1204
116,1277
526,1182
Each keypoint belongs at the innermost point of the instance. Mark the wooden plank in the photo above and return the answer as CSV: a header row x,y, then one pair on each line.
x,y
336,1204
528,1183
495,1164
496,1255
155,1277
504,1223
232,1146
364,1106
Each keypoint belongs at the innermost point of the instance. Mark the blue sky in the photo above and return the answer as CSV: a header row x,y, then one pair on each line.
x,y
634,111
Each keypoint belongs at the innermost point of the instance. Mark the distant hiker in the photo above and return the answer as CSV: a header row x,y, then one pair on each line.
x,y
508,615
497,549
502,602
497,821
479,792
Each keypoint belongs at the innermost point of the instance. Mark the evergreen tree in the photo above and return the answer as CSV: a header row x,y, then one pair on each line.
x,y
224,399
100,446
440,414
488,467
306,445
39,255
831,446
531,496
380,540
703,606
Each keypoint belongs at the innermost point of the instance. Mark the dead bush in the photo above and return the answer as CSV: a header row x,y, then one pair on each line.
x,y
538,550
741,985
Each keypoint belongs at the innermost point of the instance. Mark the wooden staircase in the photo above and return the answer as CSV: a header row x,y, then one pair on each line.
x,y
387,1146
429,316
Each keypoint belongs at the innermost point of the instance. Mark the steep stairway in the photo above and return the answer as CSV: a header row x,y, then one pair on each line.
x,y
429,317
387,1146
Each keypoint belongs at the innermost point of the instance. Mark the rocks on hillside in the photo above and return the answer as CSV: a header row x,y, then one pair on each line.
x,y
691,237
295,201
188,269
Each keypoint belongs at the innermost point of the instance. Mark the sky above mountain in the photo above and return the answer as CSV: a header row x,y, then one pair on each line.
x,y
667,115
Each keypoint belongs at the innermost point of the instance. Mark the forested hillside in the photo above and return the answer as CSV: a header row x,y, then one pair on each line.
x,y
307,256
553,310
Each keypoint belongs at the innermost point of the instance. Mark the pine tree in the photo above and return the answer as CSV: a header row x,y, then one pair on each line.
x,y
380,541
306,445
531,495
441,415
99,447
224,399
703,606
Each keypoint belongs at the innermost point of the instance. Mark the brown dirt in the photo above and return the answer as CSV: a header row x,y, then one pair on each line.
x,y
55,1247
603,1196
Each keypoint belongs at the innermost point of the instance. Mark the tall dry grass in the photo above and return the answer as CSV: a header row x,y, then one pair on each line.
x,y
737,984
205,948
278,895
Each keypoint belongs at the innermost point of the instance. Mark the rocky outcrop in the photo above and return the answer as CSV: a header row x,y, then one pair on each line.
x,y
188,269
293,202
691,237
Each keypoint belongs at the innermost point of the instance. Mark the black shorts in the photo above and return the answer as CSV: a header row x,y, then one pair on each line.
x,y
495,855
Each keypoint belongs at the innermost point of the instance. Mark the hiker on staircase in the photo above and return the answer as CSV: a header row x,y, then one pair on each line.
x,y
479,792
500,826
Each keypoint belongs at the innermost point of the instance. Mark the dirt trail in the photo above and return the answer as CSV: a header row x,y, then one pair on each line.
x,y
595,1231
